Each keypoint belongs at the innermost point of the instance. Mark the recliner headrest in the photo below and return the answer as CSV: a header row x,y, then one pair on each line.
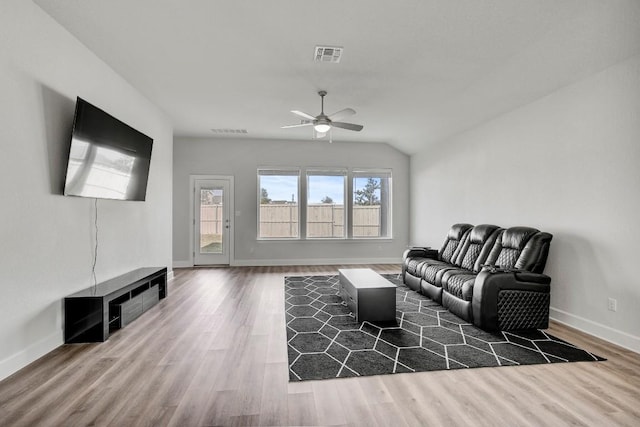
x,y
517,237
480,233
457,230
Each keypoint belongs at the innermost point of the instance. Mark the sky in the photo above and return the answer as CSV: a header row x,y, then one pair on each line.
x,y
320,186
280,187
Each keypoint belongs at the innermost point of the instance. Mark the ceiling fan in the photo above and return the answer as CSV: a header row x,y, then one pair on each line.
x,y
323,123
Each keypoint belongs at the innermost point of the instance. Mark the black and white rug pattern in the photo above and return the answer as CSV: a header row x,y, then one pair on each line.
x,y
325,341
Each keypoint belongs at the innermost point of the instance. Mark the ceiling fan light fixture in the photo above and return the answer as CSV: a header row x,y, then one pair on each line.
x,y
323,124
322,127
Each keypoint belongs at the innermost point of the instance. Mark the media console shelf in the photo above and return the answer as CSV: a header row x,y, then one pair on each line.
x,y
91,314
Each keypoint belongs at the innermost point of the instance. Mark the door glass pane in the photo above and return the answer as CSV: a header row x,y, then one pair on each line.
x,y
211,224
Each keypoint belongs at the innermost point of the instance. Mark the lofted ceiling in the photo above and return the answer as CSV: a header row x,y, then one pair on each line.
x,y
416,71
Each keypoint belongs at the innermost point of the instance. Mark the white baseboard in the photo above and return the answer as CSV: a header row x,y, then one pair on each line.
x,y
19,360
315,261
623,339
182,264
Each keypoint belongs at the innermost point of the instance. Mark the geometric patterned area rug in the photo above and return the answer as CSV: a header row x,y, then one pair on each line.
x,y
325,341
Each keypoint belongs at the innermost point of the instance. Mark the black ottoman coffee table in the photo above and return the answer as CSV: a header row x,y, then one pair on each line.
x,y
369,295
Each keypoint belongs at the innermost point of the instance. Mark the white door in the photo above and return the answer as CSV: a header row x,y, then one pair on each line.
x,y
212,221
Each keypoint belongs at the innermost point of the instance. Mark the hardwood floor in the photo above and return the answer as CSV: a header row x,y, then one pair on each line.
x,y
214,353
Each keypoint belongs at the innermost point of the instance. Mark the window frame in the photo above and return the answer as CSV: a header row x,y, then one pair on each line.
x,y
344,173
385,211
279,171
349,174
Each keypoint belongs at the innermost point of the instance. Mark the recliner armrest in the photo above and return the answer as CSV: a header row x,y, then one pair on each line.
x,y
489,283
420,251
520,275
529,277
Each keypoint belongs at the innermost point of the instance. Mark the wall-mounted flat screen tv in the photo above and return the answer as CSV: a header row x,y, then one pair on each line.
x,y
108,159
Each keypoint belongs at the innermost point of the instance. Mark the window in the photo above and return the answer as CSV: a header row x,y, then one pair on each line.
x,y
278,213
371,210
328,204
325,204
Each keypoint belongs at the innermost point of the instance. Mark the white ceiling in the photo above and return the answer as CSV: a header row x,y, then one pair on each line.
x,y
416,71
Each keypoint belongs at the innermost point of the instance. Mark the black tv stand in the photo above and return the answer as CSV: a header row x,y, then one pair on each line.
x,y
91,314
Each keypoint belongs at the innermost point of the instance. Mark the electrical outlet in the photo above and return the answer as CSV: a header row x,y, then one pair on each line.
x,y
613,304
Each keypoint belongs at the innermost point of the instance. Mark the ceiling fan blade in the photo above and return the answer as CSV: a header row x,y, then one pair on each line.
x,y
303,114
349,126
297,125
339,115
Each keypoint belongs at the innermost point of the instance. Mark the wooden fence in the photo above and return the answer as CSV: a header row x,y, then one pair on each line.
x,y
281,220
278,220
366,221
210,219
324,220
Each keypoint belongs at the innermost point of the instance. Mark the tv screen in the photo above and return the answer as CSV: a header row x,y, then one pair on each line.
x,y
108,159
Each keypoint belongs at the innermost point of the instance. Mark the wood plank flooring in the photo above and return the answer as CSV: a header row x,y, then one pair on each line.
x,y
214,353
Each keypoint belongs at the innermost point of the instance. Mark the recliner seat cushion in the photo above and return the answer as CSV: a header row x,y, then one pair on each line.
x,y
461,285
413,264
430,271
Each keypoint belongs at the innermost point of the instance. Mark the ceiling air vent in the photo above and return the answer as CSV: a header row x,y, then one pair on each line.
x,y
228,131
328,54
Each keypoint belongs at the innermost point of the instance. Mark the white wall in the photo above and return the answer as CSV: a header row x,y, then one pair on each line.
x,y
241,159
568,164
46,240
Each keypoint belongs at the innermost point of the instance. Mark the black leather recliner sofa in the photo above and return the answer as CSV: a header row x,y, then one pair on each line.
x,y
487,275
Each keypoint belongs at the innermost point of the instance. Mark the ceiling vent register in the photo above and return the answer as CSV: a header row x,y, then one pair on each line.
x,y
229,131
328,54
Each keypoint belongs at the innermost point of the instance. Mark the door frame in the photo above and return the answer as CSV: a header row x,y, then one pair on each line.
x,y
192,216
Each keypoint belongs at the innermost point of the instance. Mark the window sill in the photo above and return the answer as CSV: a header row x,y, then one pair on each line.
x,y
330,240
